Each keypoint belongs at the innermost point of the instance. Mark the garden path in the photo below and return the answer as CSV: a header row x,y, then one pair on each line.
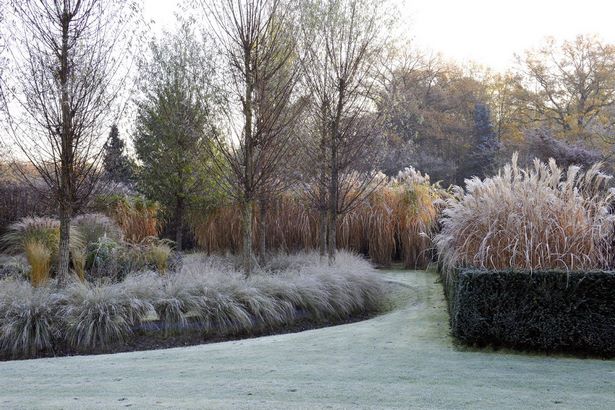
x,y
404,359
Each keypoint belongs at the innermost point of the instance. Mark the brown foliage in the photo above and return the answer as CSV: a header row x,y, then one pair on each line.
x,y
396,221
138,218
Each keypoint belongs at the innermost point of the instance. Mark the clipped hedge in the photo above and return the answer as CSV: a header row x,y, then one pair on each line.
x,y
548,311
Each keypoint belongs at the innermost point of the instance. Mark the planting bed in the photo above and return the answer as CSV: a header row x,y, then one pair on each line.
x,y
547,311
150,337
208,300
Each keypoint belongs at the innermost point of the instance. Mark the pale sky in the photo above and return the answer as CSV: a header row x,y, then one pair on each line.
x,y
490,32
487,32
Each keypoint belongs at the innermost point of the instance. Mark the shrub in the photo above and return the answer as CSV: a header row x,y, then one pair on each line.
x,y
544,145
113,260
539,218
93,227
102,260
548,311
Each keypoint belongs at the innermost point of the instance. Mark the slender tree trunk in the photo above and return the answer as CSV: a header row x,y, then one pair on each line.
x,y
262,229
322,235
247,236
333,190
323,202
65,191
64,247
179,224
248,194
334,181
331,228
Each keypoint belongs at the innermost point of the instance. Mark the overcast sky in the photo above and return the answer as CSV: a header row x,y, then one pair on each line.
x,y
487,32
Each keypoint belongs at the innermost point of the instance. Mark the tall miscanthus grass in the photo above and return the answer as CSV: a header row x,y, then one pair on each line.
x,y
291,225
210,296
397,220
539,218
419,205
139,219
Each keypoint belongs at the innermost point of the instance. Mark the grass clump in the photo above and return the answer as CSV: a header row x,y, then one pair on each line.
x,y
158,253
39,258
92,227
39,239
539,218
42,230
137,217
29,322
98,315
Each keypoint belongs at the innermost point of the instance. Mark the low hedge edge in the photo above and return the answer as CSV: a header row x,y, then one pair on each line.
x,y
548,311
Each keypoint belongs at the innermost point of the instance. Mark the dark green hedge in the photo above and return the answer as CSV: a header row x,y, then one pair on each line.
x,y
548,311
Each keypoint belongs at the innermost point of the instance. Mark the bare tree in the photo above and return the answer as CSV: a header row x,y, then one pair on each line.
x,y
4,149
342,43
2,63
260,75
570,85
68,72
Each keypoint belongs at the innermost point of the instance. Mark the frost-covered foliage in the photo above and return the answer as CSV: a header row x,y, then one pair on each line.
x,y
113,260
28,318
540,218
209,294
98,248
95,226
543,145
39,239
45,231
96,315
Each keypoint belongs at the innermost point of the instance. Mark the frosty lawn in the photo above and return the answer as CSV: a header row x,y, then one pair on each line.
x,y
400,360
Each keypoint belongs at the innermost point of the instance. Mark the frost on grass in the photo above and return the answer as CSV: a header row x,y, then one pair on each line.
x,y
209,294
539,218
